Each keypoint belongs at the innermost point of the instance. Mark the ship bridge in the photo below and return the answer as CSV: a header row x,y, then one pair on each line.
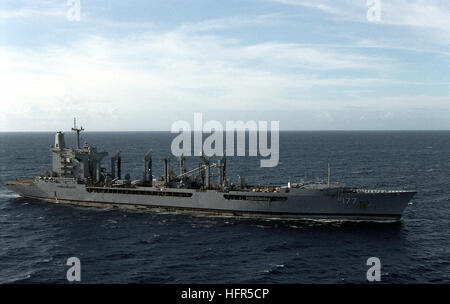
x,y
78,163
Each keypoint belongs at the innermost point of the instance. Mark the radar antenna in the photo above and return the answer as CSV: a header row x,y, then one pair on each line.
x,y
78,130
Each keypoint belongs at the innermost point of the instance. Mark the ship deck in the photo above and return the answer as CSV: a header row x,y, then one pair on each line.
x,y
18,182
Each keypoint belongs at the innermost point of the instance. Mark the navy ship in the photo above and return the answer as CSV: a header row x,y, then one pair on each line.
x,y
77,177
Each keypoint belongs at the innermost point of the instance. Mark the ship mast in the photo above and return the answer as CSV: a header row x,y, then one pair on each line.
x,y
78,130
329,175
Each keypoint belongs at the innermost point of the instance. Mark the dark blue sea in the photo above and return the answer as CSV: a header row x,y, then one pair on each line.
x,y
116,246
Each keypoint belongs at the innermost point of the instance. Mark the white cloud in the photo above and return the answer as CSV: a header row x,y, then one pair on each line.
x,y
160,73
35,10
322,6
426,14
407,25
419,13
231,22
147,80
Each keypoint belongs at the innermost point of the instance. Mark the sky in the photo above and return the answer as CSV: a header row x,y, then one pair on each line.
x,y
142,65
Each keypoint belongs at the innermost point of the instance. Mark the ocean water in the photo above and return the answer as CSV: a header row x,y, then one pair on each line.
x,y
117,246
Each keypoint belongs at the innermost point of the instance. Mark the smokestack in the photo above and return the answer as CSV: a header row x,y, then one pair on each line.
x,y
166,170
97,171
147,167
208,176
150,175
115,158
59,141
182,169
113,169
224,167
219,173
119,164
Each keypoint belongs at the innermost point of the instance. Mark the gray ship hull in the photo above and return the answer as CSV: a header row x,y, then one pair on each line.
x,y
293,203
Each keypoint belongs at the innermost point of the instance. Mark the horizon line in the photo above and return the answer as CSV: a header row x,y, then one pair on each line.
x,y
287,130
